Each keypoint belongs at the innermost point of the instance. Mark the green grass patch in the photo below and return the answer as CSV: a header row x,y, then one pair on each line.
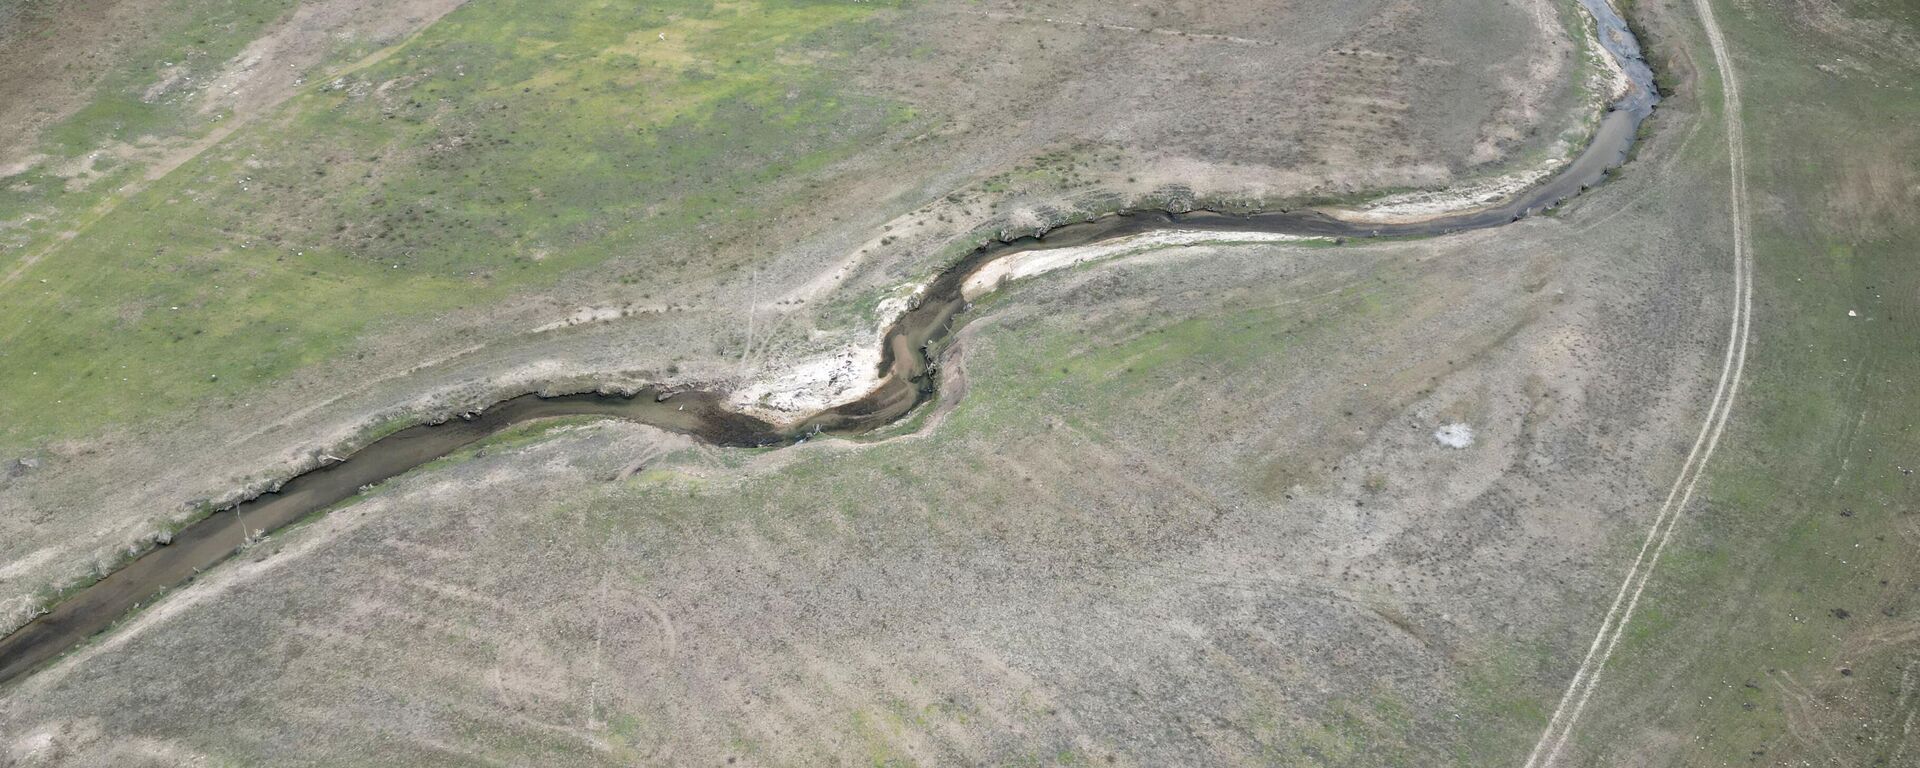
x,y
1798,551
510,144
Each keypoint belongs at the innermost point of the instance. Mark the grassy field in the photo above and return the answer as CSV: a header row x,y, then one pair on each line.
x,y
110,83
1784,625
1183,510
508,145
369,213
1188,509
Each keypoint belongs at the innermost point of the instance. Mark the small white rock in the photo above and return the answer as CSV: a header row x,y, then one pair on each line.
x,y
1454,435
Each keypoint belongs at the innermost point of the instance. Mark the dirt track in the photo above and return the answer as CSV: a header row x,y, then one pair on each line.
x,y
1587,677
1394,590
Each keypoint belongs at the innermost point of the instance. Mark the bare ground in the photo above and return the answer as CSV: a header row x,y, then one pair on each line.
x,y
1058,110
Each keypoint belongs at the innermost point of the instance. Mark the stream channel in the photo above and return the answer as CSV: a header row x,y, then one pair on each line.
x,y
907,376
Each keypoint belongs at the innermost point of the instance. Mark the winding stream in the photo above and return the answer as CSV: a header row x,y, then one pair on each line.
x,y
907,377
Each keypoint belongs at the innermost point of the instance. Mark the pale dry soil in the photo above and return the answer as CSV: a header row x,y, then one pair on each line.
x,y
1190,510
1018,117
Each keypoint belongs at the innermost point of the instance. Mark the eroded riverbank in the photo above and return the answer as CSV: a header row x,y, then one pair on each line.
x,y
906,377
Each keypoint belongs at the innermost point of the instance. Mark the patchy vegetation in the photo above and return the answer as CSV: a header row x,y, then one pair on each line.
x,y
501,149
372,213
1190,507
1782,627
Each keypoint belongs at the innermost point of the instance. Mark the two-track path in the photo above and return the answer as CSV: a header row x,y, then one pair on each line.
x,y
1587,678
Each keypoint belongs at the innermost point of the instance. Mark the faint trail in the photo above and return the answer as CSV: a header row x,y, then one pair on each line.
x,y
599,653
1587,678
1800,705
1906,693
167,163
753,301
1167,31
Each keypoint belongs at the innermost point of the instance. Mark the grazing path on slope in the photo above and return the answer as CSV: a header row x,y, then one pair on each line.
x,y
1587,678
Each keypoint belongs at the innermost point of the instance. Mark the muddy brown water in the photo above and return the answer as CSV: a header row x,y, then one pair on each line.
x,y
906,367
